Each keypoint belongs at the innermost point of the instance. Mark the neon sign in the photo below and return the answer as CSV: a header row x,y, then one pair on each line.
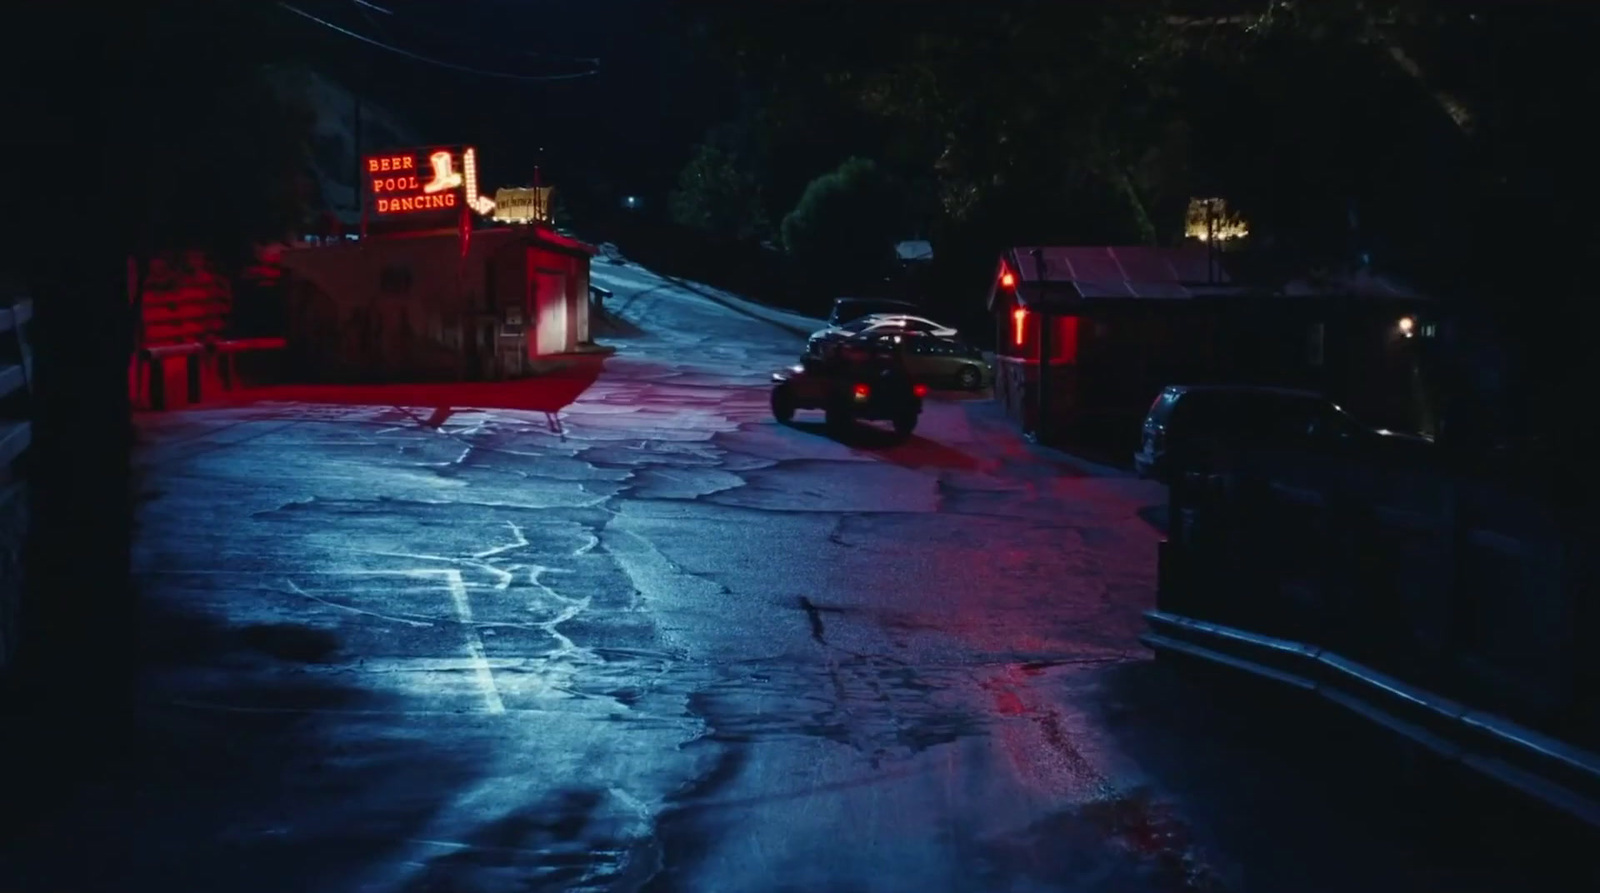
x,y
419,180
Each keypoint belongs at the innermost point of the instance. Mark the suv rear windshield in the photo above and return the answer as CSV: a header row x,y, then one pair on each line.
x,y
851,309
1246,413
1161,409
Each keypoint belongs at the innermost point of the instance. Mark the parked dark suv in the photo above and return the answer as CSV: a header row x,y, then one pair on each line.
x,y
1193,427
847,310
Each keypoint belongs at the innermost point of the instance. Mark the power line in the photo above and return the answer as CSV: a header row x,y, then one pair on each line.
x,y
466,69
385,33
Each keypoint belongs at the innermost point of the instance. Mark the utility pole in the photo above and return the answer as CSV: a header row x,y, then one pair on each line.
x,y
356,184
538,198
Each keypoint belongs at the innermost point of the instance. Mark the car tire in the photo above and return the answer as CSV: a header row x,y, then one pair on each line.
x,y
905,424
969,378
783,404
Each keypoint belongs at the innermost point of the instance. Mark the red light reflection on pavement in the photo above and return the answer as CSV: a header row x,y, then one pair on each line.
x,y
1045,753
549,392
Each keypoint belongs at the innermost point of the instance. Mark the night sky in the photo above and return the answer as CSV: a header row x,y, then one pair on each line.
x,y
625,130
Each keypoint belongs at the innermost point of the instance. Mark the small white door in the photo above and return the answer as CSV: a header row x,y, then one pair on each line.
x,y
550,308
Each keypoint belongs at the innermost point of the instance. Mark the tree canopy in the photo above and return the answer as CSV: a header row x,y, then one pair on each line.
x,y
846,222
1343,129
719,195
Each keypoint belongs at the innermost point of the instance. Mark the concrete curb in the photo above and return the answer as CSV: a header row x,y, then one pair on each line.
x,y
746,310
1555,772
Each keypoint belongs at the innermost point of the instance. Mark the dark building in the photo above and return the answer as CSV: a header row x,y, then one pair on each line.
x,y
426,307
1115,324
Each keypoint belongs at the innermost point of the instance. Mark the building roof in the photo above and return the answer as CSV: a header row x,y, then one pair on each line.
x,y
1048,274
1066,275
1357,283
1116,266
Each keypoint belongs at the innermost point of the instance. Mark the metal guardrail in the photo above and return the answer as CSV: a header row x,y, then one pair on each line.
x,y
1384,590
16,436
1561,775
16,382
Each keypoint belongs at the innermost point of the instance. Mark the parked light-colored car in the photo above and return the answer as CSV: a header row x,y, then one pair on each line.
x,y
885,323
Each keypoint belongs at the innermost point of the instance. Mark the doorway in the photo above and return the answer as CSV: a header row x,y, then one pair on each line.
x,y
550,316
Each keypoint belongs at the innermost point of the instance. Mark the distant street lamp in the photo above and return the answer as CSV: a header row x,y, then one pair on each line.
x,y
631,202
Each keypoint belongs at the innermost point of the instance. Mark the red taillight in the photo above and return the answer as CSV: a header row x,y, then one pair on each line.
x,y
863,392
1019,319
921,390
1007,280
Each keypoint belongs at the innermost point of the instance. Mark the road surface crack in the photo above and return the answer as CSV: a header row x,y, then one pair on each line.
x,y
814,615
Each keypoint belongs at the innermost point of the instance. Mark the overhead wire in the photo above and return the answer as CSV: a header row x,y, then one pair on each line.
x,y
465,69
384,33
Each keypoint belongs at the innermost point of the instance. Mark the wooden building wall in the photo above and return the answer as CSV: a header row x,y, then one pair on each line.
x,y
411,309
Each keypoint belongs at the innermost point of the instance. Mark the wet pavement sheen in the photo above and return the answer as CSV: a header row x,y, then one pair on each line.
x,y
615,629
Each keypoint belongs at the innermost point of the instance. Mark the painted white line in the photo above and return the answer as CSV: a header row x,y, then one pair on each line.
x,y
480,664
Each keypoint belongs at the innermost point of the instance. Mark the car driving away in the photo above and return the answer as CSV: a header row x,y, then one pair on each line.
x,y
865,379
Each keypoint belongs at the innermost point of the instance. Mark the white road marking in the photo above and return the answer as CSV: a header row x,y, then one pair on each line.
x,y
458,595
480,663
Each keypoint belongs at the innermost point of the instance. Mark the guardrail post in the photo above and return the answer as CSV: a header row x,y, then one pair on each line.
x,y
158,382
194,364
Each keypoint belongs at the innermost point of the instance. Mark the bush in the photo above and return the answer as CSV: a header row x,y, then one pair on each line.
x,y
844,226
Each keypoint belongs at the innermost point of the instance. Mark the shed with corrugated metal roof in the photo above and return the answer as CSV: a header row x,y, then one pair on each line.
x,y
1109,326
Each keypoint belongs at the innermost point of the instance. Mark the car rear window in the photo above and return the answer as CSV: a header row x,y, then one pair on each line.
x,y
1245,413
1161,409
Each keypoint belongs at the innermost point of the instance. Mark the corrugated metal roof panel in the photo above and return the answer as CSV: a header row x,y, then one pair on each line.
x,y
1131,263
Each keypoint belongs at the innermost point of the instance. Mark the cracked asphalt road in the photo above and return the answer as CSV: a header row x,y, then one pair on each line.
x,y
490,640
